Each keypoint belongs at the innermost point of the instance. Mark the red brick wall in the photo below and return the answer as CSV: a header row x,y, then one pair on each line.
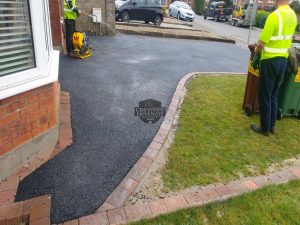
x,y
27,115
267,5
55,16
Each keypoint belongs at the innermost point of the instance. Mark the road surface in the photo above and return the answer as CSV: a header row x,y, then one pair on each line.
x,y
239,34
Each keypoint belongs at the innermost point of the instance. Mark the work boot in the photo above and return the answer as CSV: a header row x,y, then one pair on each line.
x,y
259,130
272,131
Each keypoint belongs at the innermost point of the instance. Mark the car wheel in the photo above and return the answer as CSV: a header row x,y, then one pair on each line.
x,y
157,20
146,21
170,13
204,16
216,18
178,15
125,16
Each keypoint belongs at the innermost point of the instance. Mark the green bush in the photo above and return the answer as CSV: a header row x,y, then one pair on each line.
x,y
298,28
261,17
199,6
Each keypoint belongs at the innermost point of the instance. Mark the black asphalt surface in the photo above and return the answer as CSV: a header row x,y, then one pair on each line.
x,y
108,138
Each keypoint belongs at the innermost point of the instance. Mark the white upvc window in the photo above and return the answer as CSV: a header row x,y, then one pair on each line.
x,y
27,58
270,1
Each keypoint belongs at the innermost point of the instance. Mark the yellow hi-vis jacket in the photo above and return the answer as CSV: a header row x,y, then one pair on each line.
x,y
70,13
278,32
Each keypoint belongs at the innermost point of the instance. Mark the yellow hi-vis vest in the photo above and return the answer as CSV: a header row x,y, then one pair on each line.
x,y
278,32
68,12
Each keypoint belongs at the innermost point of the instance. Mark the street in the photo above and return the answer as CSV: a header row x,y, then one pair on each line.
x,y
239,34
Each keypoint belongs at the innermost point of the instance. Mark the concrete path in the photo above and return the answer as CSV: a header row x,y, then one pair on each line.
x,y
108,138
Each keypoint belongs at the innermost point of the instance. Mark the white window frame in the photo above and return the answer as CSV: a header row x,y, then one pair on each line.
x,y
47,59
270,1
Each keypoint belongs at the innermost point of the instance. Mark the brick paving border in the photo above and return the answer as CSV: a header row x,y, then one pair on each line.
x,y
35,211
9,186
114,211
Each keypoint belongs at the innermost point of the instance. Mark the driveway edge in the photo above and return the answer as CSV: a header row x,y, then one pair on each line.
x,y
179,36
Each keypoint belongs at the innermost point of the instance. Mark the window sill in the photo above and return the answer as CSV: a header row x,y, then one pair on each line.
x,y
34,82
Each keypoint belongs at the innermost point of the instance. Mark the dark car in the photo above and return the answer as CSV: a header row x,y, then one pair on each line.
x,y
142,10
218,11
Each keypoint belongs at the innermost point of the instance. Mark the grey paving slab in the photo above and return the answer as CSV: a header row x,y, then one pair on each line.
x,y
108,138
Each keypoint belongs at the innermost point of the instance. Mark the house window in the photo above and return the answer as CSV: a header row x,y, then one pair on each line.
x,y
16,45
270,1
27,58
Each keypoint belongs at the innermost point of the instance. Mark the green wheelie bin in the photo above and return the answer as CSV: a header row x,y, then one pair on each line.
x,y
289,93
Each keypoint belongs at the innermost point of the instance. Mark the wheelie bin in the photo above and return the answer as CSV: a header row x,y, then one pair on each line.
x,y
251,104
289,94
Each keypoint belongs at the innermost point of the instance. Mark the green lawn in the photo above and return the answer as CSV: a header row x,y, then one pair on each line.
x,y
214,143
272,205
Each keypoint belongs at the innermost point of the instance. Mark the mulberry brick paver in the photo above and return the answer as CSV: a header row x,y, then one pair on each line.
x,y
296,172
94,219
250,184
137,211
73,222
128,184
118,197
117,216
223,191
158,207
175,202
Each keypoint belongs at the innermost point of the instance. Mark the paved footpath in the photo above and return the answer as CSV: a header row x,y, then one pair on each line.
x,y
108,138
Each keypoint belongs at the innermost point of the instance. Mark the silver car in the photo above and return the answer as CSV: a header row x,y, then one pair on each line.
x,y
181,10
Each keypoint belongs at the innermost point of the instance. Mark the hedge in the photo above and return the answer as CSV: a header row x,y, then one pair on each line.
x,y
199,6
261,17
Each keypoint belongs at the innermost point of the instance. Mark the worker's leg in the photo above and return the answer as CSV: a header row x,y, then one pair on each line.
x,y
281,64
267,80
70,24
74,26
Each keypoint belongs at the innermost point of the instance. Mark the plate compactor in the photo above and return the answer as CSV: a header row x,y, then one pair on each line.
x,y
81,47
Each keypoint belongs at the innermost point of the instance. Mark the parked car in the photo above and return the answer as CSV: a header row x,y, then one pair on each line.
x,y
142,10
218,11
118,3
181,10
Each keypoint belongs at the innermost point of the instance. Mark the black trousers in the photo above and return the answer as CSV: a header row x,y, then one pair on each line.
x,y
271,76
70,29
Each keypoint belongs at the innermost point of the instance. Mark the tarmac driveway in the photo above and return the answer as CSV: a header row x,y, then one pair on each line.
x,y
108,138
